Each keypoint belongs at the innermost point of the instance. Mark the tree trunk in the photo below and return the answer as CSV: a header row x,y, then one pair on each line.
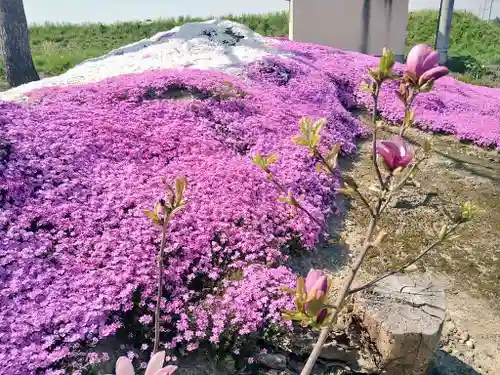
x,y
15,44
404,317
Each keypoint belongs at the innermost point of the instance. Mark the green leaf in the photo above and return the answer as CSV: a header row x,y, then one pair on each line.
x,y
374,74
314,142
382,63
180,186
409,117
299,301
334,151
158,208
468,211
153,216
314,306
366,87
179,208
318,126
259,161
292,200
442,232
320,168
284,200
427,146
300,141
301,287
387,62
288,290
305,125
427,86
293,315
271,159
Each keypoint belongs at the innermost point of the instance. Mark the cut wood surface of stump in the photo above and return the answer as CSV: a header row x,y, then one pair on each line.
x,y
404,318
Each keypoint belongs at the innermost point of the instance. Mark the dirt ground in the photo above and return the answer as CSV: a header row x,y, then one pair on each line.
x,y
467,266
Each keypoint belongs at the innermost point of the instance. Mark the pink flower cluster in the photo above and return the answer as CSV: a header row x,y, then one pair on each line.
x,y
85,161
258,287
79,164
466,111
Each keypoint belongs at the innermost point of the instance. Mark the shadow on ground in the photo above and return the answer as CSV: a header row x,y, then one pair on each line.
x,y
447,364
332,253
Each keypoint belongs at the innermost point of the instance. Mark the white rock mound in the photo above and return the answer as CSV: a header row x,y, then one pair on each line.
x,y
215,44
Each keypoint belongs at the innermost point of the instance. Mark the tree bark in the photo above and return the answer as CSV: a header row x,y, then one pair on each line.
x,y
15,44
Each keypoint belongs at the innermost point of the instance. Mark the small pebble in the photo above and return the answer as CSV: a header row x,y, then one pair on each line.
x,y
470,344
464,336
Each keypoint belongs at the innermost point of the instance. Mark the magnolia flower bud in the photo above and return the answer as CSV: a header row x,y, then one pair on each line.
x,y
434,74
422,62
320,318
316,284
395,153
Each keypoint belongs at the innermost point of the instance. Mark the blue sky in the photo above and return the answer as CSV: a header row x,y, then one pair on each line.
x,y
107,11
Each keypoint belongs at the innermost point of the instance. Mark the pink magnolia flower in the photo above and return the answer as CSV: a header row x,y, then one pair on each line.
x,y
395,152
316,283
155,366
423,62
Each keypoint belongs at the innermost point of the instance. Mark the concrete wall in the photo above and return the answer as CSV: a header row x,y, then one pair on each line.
x,y
358,25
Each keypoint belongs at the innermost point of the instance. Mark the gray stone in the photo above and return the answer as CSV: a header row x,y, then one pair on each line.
x,y
273,361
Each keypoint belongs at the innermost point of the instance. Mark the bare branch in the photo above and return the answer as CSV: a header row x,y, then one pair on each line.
x,y
406,265
374,137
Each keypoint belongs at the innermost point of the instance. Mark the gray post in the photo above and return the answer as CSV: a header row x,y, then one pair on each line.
x,y
443,31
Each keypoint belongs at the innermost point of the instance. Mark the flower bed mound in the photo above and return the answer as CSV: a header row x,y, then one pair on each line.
x,y
84,161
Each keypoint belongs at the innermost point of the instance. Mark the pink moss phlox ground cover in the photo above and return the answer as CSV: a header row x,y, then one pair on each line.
x,y
85,161
466,111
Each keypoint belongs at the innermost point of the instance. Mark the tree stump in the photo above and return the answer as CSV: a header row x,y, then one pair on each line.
x,y
404,318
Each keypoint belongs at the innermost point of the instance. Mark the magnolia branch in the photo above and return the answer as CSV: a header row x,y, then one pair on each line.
x,y
354,189
161,255
401,269
295,203
385,194
318,346
374,135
